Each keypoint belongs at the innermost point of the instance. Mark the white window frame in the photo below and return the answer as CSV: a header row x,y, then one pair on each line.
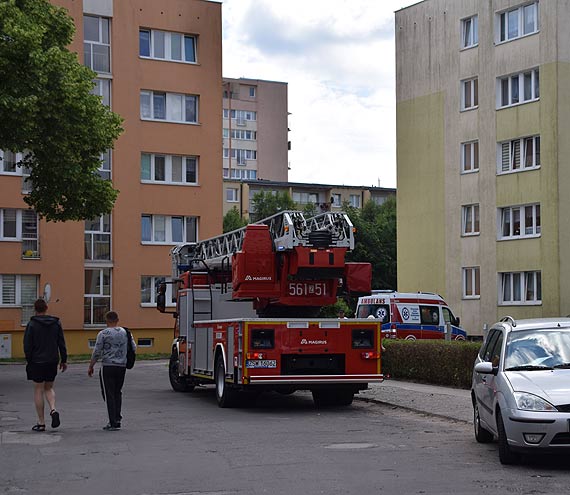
x,y
470,86
156,222
102,294
155,281
471,276
100,235
170,107
521,282
17,290
517,96
168,40
18,172
168,169
510,213
232,195
241,174
507,152
102,88
99,42
337,200
252,91
354,200
470,155
502,22
241,116
106,166
470,220
20,236
470,32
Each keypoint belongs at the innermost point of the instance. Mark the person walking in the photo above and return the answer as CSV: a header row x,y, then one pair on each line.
x,y
111,349
44,347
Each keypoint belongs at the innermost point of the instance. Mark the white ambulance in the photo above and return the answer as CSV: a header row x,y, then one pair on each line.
x,y
410,315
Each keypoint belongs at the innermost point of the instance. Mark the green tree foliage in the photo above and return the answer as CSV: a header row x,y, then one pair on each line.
x,y
309,210
266,204
333,310
47,111
233,220
376,240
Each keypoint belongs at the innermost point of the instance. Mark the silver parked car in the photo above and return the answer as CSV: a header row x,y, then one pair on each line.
x,y
521,387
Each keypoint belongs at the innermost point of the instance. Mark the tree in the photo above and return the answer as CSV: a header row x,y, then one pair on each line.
x,y
266,204
48,113
376,240
233,220
309,210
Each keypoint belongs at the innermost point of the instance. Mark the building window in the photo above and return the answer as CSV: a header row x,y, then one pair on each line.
x,y
97,299
240,155
169,169
96,45
241,174
518,154
304,198
9,163
517,22
164,45
102,88
161,229
518,88
242,134
469,94
149,290
520,288
252,91
470,220
18,290
169,107
104,169
241,116
336,200
470,157
354,200
471,283
145,342
516,222
98,239
469,32
232,195
20,226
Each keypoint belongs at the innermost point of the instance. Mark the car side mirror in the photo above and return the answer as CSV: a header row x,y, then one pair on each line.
x,y
485,368
455,321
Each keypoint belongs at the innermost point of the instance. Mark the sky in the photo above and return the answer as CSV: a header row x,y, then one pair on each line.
x,y
337,57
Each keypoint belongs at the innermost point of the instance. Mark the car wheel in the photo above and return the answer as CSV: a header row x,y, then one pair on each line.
x,y
506,455
481,434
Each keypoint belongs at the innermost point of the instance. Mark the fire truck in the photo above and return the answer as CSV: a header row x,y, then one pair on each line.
x,y
246,312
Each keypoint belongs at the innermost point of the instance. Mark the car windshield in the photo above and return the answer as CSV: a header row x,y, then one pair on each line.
x,y
538,349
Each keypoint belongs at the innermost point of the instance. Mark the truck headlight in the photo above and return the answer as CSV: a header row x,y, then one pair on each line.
x,y
531,402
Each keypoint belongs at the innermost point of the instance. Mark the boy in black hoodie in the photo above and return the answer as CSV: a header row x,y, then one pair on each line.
x,y
44,344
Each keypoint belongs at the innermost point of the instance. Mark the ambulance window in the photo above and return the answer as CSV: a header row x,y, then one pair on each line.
x,y
380,311
447,315
429,315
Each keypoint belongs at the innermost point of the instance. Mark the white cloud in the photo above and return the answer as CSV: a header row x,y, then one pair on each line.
x,y
337,57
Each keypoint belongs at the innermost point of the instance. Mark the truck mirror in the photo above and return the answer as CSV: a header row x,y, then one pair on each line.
x,y
456,321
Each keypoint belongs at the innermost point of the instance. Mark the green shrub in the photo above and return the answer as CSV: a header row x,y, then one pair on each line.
x,y
438,362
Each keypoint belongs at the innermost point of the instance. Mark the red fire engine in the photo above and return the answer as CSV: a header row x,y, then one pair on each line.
x,y
289,267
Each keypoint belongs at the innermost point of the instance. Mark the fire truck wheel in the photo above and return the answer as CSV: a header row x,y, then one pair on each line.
x,y
177,382
226,396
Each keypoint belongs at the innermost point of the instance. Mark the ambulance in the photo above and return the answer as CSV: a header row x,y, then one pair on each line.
x,y
410,315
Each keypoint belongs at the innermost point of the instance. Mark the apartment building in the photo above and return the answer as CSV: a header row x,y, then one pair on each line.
x,y
482,141
325,197
158,65
255,132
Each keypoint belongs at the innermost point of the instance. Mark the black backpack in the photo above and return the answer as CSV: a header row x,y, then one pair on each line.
x,y
131,354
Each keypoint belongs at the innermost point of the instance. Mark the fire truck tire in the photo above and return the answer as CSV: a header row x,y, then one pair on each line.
x,y
177,382
226,396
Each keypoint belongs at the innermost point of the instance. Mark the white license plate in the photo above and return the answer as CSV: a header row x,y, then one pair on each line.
x,y
261,363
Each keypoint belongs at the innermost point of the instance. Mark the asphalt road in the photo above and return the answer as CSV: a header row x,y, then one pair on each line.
x,y
183,444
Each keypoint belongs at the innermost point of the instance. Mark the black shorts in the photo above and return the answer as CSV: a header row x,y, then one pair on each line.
x,y
41,372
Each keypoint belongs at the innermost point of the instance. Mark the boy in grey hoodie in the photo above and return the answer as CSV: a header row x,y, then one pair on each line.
x,y
111,349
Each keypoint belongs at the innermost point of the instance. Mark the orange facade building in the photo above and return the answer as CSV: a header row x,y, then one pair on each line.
x,y
159,66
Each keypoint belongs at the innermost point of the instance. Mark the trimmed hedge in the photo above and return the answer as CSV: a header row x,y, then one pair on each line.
x,y
438,362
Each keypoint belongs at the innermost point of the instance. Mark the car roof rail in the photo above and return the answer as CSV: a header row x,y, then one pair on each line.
x,y
509,319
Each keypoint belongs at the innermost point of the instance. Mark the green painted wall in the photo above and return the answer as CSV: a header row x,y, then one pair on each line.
x,y
421,201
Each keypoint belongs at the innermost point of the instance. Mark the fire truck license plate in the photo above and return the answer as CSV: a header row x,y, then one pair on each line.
x,y
261,363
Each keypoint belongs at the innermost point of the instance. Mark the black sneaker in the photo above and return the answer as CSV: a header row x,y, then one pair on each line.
x,y
110,427
55,421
